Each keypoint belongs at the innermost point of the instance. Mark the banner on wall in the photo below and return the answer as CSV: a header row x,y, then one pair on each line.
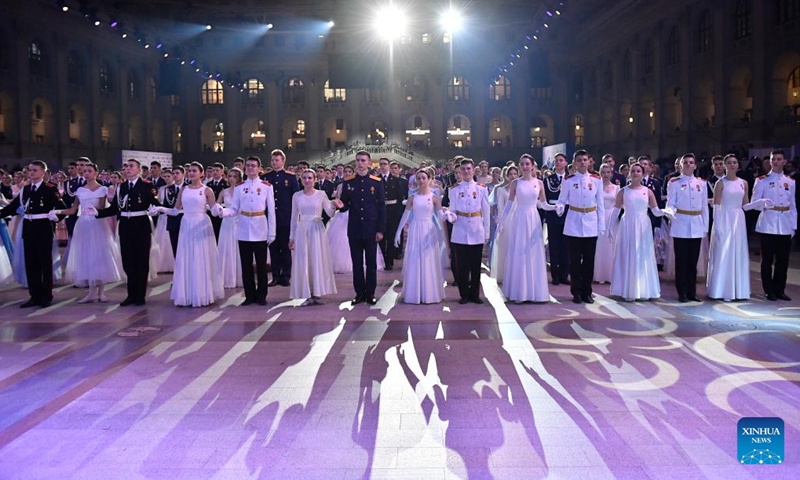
x,y
165,159
550,151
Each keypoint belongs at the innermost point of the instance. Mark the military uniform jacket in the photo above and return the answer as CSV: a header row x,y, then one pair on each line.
x,y
136,199
70,187
284,185
42,201
158,182
363,195
249,199
781,219
470,202
583,191
552,190
217,186
688,198
395,189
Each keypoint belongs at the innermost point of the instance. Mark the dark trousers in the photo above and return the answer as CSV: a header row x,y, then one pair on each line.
x,y
134,243
393,215
38,259
452,250
559,258
216,222
364,250
581,264
255,288
280,257
774,248
687,252
70,222
468,269
174,228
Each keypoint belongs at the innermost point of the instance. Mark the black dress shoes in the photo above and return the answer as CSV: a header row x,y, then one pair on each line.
x,y
682,298
388,268
247,302
477,300
565,281
46,303
261,301
463,301
272,282
555,282
693,298
370,300
576,299
771,297
126,302
587,299
30,303
359,299
139,302
784,297
283,283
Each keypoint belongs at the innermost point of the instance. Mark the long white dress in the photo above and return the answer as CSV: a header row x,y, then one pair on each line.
x,y
6,272
497,260
635,275
604,252
196,281
729,265
230,264
18,259
423,274
525,273
165,260
340,245
312,272
94,253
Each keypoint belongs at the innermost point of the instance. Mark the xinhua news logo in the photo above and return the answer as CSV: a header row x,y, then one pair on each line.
x,y
760,441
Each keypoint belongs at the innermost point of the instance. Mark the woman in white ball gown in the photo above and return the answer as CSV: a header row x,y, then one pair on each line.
x,y
230,265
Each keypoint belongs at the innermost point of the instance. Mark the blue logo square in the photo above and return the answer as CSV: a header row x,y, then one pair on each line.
x,y
760,441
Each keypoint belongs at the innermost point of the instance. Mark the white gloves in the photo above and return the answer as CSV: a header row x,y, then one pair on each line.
x,y
216,210
546,206
53,215
669,213
270,239
89,210
761,204
227,212
657,212
559,208
153,211
450,216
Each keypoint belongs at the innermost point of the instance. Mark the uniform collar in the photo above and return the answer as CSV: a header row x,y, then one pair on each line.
x,y
686,177
37,184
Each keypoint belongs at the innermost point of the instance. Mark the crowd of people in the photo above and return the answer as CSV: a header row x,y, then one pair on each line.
x,y
216,227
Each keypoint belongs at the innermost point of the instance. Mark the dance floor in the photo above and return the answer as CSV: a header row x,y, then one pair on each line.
x,y
644,390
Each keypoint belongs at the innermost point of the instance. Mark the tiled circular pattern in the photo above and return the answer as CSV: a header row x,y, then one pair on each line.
x,y
138,331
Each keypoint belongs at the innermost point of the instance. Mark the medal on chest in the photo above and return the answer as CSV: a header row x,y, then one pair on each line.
x,y
372,190
474,194
590,186
258,191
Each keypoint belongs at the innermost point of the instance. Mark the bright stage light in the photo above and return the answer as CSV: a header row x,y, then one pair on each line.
x,y
390,23
269,26
208,27
451,21
331,24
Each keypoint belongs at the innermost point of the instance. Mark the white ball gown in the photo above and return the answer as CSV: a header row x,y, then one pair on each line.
x,y
525,271
340,245
6,271
729,265
230,264
497,258
312,271
196,281
165,261
423,274
635,274
604,252
94,256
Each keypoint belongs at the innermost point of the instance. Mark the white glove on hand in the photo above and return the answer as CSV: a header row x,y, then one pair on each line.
x,y
450,216
216,210
227,212
546,206
152,210
397,238
52,216
559,209
89,210
270,239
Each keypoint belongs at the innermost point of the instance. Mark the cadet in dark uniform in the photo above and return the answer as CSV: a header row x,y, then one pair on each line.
x,y
217,184
37,200
324,185
363,195
170,198
395,190
70,187
559,254
284,184
131,200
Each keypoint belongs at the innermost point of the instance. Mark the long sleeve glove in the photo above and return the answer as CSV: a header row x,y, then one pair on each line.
x,y
227,212
449,215
612,229
761,204
546,206
657,212
53,215
559,209
503,216
399,234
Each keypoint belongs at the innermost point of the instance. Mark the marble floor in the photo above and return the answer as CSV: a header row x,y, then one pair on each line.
x,y
645,390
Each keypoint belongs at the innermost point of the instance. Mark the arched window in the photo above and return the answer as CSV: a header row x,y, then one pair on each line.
x,y
300,128
333,95
794,87
75,71
36,60
673,47
626,66
705,40
253,92
218,144
458,88
133,85
106,78
211,93
579,130
647,57
177,139
416,89
294,92
742,19
500,89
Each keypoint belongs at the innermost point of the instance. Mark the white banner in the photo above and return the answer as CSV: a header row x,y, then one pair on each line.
x,y
165,159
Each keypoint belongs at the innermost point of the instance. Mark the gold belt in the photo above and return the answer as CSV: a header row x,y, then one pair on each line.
x,y
583,210
468,214
688,212
252,214
780,209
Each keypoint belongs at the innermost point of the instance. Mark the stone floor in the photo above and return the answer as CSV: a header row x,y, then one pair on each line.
x,y
644,390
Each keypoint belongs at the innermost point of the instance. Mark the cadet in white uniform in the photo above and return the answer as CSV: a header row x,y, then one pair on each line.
x,y
776,224
469,214
583,192
687,209
254,202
